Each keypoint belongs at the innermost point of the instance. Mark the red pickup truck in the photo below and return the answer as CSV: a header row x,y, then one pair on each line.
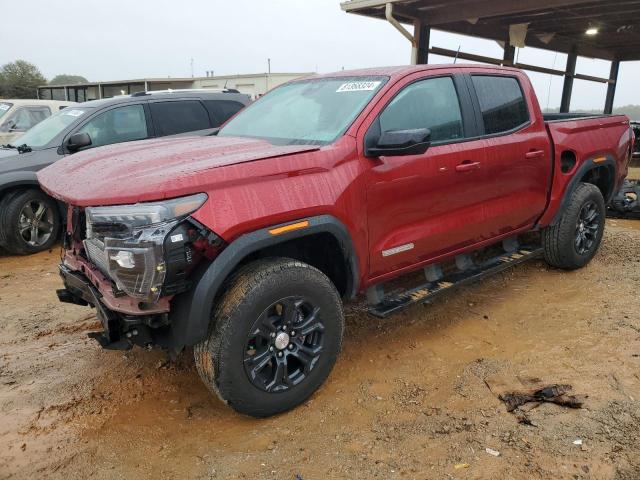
x,y
242,244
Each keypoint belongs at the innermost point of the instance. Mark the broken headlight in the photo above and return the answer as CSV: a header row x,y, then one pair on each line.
x,y
126,242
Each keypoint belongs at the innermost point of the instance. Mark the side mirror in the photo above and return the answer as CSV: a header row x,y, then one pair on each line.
x,y
401,142
78,141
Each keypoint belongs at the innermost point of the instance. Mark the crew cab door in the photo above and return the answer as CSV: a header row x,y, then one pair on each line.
x,y
423,206
518,151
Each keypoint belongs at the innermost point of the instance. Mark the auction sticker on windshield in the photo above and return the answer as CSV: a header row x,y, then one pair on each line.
x,y
358,87
73,113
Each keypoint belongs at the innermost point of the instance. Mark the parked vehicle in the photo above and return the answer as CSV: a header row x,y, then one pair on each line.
x,y
626,202
243,244
30,220
636,129
18,116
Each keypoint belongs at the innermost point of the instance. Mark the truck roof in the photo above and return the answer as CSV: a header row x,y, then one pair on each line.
x,y
403,70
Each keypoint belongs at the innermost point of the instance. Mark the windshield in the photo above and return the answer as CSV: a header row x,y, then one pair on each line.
x,y
4,108
45,131
308,112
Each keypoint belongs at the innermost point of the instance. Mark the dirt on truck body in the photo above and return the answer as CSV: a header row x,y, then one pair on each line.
x,y
244,245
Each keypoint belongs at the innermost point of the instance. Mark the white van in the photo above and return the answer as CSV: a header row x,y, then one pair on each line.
x,y
18,116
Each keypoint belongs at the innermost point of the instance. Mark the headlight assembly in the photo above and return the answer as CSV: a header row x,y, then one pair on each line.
x,y
126,242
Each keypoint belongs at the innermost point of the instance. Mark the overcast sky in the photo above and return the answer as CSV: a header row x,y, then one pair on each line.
x,y
124,39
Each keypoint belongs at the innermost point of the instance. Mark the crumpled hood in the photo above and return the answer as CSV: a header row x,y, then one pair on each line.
x,y
151,169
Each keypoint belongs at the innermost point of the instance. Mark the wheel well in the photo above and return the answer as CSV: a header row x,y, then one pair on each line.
x,y
15,188
603,178
321,250
23,187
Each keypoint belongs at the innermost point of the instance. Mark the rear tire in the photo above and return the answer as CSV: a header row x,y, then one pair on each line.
x,y
274,337
29,222
573,241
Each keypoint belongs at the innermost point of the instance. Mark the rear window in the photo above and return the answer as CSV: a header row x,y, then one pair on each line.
x,y
171,118
222,110
502,103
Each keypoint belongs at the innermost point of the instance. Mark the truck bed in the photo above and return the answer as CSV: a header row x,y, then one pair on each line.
x,y
559,117
579,138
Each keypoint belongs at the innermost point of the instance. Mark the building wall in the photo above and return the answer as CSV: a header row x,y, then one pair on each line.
x,y
255,85
155,85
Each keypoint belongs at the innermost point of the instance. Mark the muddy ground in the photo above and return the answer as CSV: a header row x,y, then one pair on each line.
x,y
407,398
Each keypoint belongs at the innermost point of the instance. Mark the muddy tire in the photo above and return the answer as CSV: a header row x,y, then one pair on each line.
x,y
573,241
29,222
274,337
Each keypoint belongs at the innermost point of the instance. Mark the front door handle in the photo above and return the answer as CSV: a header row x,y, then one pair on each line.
x,y
467,166
534,154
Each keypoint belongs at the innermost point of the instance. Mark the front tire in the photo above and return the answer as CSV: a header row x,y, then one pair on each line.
x,y
274,338
573,241
29,222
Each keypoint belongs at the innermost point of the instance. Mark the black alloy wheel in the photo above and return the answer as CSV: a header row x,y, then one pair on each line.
x,y
274,336
573,239
587,228
284,344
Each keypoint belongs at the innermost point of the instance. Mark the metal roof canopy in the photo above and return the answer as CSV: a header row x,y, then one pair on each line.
x,y
556,25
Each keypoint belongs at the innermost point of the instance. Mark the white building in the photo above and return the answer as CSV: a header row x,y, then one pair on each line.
x,y
256,84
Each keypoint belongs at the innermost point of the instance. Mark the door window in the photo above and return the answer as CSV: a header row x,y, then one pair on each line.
x,y
122,124
38,114
431,103
502,103
222,110
171,118
24,118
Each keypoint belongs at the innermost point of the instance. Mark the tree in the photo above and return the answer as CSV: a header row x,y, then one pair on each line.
x,y
65,79
20,79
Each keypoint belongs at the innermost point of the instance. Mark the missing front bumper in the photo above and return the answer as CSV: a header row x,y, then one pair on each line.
x,y
120,331
79,291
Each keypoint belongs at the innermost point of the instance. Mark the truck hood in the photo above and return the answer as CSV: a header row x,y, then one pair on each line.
x,y
151,169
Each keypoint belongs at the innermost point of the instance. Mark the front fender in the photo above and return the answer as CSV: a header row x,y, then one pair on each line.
x,y
190,314
15,179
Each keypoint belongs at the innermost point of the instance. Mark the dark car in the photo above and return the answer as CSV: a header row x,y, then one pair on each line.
x,y
30,220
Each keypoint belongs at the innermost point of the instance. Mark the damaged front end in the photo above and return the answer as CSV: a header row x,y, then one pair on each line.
x,y
130,261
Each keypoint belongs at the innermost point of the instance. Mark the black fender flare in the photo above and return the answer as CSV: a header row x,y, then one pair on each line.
x,y
191,311
579,175
27,179
11,180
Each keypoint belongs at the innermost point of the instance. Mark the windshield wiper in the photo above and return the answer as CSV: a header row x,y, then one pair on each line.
x,y
8,145
24,148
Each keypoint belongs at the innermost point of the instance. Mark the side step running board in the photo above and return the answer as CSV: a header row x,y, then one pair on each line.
x,y
394,302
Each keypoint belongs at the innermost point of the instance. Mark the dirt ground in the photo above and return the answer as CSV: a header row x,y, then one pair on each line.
x,y
407,398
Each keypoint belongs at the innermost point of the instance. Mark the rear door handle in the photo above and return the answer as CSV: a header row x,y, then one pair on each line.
x,y
467,166
534,154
